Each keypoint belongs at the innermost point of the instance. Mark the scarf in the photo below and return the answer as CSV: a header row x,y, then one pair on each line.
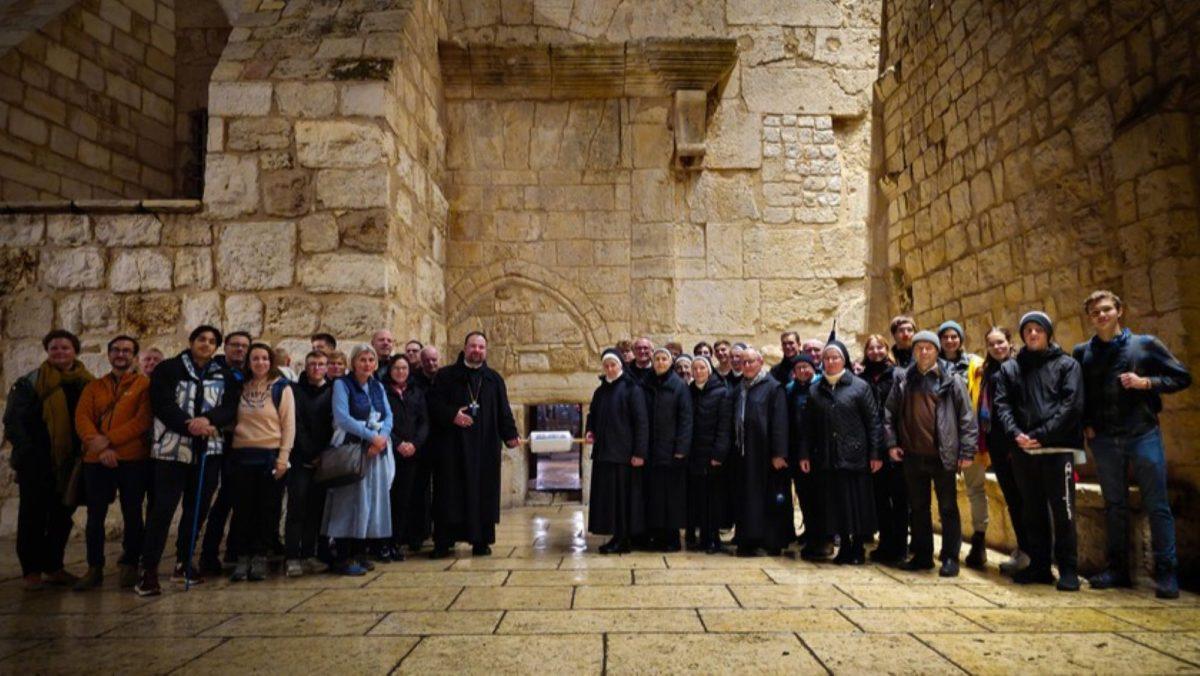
x,y
55,410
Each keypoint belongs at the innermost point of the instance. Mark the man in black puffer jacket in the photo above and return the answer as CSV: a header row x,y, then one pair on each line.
x,y
1039,402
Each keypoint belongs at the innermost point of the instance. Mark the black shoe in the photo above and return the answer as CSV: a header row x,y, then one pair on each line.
x,y
414,547
773,551
914,564
398,553
815,552
977,557
746,552
439,552
858,556
713,548
608,547
211,565
1068,581
1031,576
481,550
1166,582
949,568
1109,579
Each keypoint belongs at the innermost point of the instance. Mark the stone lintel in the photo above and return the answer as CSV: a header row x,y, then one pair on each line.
x,y
640,68
100,206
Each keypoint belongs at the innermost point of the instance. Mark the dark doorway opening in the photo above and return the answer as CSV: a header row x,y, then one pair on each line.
x,y
556,472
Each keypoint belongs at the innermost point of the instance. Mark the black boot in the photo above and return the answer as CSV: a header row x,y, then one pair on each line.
x,y
1166,582
977,558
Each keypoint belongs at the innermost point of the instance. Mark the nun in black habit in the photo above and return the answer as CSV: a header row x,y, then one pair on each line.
x,y
670,410
618,430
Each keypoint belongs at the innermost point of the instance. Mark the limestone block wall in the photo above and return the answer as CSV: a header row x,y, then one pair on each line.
x,y
87,104
1034,151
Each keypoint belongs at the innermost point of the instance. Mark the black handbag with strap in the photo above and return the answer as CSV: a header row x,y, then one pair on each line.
x,y
341,465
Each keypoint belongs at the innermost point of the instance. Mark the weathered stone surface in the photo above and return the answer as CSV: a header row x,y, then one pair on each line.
x,y
364,98
789,90
256,256
186,231
340,144
18,269
193,268
734,139
244,312
318,233
365,230
696,311
286,192
230,185
653,196
349,273
128,230
68,229
239,98
147,315
22,229
291,315
140,270
201,308
21,357
258,133
352,188
784,12
99,311
306,99
723,198
77,268
355,317
28,315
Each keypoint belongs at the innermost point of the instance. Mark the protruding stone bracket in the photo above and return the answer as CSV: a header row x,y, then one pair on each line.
x,y
690,123
641,68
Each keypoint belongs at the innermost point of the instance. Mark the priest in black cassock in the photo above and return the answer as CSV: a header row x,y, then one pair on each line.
x,y
763,494
470,418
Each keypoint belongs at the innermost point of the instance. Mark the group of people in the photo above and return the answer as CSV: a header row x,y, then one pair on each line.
x,y
697,443
228,435
711,441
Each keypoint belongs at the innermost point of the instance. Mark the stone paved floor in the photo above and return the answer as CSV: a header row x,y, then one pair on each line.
x,y
541,605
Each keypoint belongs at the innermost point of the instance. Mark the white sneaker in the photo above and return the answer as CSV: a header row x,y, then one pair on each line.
x,y
1016,563
294,568
314,565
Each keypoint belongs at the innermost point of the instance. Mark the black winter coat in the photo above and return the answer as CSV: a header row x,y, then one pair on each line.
x,y
1041,394
712,411
617,419
410,418
843,428
1000,444
670,410
760,435
797,397
783,370
314,419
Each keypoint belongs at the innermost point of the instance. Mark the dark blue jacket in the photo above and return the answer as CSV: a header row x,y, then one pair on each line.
x,y
1112,410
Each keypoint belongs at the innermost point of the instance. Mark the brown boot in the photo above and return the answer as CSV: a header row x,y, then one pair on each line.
x,y
92,579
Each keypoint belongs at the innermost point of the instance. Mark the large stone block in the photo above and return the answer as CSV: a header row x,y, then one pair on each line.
x,y
352,188
28,315
150,315
77,268
22,229
734,139
369,274
318,233
286,192
722,197
340,144
786,89
256,256
201,308
291,315
128,230
306,99
18,269
244,312
68,229
140,270
714,308
783,12
193,268
366,230
99,312
230,185
355,317
239,98
258,133
21,357
653,193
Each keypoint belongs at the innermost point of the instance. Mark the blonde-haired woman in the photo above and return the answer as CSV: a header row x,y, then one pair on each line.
x,y
362,510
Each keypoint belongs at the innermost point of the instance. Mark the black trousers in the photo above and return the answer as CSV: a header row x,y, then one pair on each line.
x,y
1047,486
919,473
256,497
401,497
1002,465
305,507
219,514
101,485
891,507
43,524
174,481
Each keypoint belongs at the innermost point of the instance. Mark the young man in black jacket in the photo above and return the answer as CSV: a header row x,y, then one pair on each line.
x,y
1039,402
1123,375
314,427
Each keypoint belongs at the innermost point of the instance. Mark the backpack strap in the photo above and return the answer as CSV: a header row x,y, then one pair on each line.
x,y
277,389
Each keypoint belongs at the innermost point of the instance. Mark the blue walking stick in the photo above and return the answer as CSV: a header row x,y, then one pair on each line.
x,y
187,568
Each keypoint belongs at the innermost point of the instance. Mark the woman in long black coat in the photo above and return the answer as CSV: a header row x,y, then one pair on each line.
x,y
410,429
670,410
844,441
706,495
891,494
619,432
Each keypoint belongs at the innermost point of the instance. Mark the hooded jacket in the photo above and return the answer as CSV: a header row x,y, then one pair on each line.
x,y
670,410
842,428
1113,410
957,431
617,419
712,412
1041,394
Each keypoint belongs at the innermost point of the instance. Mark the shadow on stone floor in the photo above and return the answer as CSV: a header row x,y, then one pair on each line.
x,y
538,605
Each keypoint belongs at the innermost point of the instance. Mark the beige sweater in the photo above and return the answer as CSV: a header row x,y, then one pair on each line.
x,y
260,424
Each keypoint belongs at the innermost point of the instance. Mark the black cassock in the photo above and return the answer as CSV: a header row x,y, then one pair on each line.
x,y
762,494
466,461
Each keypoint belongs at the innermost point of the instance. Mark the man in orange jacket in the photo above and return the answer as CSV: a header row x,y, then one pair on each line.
x,y
113,420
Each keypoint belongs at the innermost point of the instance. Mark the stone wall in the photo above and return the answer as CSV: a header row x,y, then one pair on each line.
x,y
87,104
1034,151
201,31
